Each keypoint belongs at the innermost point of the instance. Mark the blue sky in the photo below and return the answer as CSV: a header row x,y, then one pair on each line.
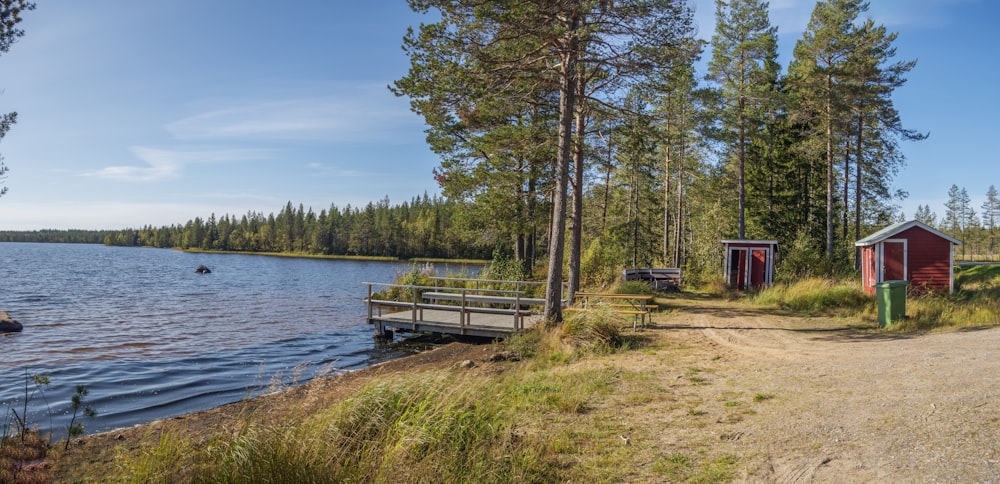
x,y
136,113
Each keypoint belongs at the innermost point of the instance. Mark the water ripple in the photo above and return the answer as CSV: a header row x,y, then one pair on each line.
x,y
151,339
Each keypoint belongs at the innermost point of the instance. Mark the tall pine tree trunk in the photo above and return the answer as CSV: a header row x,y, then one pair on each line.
x,y
741,142
567,102
847,187
529,254
666,197
576,236
607,188
829,166
858,157
635,213
679,219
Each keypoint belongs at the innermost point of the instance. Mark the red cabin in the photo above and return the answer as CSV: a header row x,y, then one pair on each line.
x,y
749,264
909,251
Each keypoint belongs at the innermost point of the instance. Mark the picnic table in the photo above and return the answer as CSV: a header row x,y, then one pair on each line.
x,y
636,305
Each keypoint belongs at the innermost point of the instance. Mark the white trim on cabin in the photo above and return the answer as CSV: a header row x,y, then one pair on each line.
x,y
747,273
951,269
880,259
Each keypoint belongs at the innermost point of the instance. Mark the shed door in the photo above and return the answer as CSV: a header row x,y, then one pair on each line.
x,y
894,260
758,268
737,268
868,272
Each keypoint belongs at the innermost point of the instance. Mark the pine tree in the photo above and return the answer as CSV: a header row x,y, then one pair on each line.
x,y
679,105
504,53
925,215
817,77
991,215
958,213
991,208
744,66
875,126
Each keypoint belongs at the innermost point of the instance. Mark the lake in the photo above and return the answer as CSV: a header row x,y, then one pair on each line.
x,y
151,339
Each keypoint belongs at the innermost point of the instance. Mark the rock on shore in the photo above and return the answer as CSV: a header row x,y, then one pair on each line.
x,y
8,325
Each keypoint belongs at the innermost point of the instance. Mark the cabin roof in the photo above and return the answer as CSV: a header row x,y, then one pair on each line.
x,y
901,227
745,241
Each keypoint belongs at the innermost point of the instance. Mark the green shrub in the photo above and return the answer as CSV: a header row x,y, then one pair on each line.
x,y
597,266
503,268
804,260
416,276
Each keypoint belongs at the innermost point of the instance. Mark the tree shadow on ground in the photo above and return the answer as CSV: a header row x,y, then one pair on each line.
x,y
717,307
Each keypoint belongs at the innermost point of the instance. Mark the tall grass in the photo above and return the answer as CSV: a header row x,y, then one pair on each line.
x,y
817,295
597,331
976,302
421,426
408,428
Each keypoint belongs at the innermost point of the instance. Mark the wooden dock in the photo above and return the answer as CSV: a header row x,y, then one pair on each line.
x,y
451,322
472,311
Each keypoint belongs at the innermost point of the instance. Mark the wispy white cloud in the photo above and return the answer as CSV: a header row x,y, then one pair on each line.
x,y
163,165
358,113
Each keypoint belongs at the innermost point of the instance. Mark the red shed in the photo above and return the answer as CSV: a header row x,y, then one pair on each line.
x,y
909,251
749,263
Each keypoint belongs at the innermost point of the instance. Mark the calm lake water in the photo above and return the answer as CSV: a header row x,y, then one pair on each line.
x,y
152,339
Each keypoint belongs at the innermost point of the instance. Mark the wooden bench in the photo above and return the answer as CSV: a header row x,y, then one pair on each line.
x,y
636,305
660,279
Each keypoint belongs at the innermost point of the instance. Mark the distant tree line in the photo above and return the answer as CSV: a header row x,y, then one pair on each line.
x,y
422,227
54,236
977,231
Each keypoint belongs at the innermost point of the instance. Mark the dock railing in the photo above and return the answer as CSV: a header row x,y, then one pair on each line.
x,y
452,283
443,296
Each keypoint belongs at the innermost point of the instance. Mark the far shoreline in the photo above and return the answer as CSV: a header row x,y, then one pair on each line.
x,y
305,255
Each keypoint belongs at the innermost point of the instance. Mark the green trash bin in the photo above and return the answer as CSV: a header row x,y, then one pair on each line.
x,y
891,299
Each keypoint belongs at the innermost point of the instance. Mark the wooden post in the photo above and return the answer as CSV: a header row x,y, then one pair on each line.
x,y
517,309
413,313
369,304
462,314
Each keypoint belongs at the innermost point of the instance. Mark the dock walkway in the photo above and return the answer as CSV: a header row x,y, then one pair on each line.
x,y
476,311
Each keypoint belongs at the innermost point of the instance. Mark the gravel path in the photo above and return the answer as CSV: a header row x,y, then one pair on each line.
x,y
852,405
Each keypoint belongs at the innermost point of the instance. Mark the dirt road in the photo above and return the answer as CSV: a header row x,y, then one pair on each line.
x,y
812,399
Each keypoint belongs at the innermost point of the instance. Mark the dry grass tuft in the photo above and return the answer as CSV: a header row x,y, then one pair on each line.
x,y
23,459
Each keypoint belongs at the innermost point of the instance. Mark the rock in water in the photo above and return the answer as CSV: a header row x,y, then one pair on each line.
x,y
8,325
201,269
